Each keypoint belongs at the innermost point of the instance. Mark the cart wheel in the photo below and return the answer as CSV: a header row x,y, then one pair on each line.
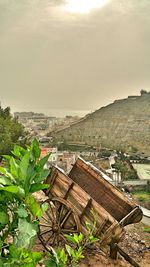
x,y
58,220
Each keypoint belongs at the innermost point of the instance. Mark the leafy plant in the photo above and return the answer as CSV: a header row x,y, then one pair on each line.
x,y
19,211
74,251
11,132
75,255
19,257
79,242
57,258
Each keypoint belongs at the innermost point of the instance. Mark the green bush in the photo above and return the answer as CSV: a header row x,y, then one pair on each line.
x,y
19,211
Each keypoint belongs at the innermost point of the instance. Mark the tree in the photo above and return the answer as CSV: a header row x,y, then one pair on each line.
x,y
123,167
104,154
143,92
11,131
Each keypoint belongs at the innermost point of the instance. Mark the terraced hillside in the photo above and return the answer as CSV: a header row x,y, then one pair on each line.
x,y
122,124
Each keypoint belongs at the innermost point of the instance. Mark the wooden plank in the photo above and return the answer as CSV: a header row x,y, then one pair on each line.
x,y
134,216
88,205
68,191
113,251
114,232
101,226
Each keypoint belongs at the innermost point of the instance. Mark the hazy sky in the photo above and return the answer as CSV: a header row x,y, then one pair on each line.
x,y
61,55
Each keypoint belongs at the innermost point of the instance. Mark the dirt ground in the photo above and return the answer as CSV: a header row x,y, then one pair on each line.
x,y
99,260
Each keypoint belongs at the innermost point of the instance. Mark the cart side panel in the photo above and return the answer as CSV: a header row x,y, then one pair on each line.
x,y
100,190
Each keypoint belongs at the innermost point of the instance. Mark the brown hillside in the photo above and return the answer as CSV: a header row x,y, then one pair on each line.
x,y
122,124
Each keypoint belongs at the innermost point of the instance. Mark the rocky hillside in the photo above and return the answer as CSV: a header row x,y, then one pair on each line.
x,y
122,124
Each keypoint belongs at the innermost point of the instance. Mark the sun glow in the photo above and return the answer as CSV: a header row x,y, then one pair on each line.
x,y
83,6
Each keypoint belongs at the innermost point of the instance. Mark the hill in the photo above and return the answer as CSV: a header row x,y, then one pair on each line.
x,y
124,124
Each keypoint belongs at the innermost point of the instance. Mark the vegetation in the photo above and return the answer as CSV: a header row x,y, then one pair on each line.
x,y
143,92
20,213
104,154
122,165
11,132
74,147
142,196
73,253
147,229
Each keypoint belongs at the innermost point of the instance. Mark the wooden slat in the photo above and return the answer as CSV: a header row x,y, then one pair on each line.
x,y
68,191
101,227
88,205
113,232
134,216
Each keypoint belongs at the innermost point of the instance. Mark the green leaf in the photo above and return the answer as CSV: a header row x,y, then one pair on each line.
x,y
14,167
24,165
2,170
6,173
41,176
42,162
22,213
4,218
37,187
23,257
36,151
44,207
93,239
14,251
6,157
5,181
33,206
69,250
1,243
70,238
27,233
80,237
14,189
31,173
18,151
29,265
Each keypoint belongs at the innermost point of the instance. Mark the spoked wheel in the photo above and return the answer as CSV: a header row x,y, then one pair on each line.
x,y
58,220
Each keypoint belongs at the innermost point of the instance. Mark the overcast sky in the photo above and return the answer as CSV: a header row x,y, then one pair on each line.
x,y
55,57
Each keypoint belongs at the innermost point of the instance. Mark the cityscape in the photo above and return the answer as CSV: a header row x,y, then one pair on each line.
x,y
74,133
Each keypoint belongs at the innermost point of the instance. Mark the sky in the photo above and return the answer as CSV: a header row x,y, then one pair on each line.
x,y
73,56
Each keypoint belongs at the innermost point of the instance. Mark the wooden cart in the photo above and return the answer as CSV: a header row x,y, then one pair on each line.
x,y
71,198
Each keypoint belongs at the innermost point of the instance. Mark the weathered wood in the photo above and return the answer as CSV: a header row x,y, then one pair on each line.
x,y
68,191
113,251
77,196
127,257
101,226
59,219
113,233
89,202
134,215
105,194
